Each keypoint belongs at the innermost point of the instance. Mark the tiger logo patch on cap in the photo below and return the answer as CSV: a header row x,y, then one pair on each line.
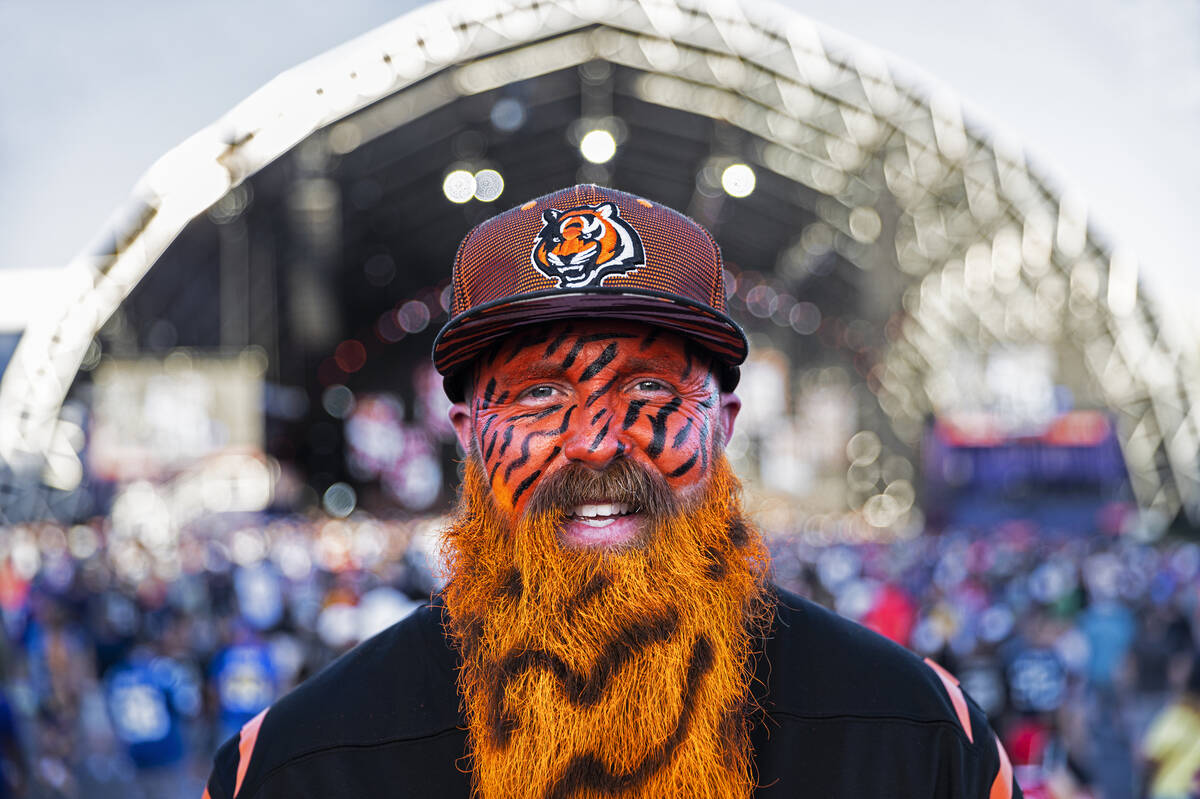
x,y
581,246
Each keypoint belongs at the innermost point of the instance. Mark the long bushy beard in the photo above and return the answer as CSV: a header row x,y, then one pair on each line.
x,y
589,673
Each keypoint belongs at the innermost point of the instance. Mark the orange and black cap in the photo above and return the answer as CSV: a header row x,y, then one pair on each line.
x,y
593,252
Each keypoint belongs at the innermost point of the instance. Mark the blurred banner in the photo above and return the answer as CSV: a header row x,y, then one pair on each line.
x,y
156,416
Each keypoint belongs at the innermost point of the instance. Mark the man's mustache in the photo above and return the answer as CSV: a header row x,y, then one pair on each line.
x,y
624,481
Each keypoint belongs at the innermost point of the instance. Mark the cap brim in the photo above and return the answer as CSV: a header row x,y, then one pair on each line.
x,y
465,336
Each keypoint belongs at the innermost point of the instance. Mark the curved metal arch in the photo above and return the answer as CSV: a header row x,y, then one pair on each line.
x,y
973,224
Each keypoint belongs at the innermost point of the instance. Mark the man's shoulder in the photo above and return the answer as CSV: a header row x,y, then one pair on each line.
x,y
399,682
394,687
844,695
823,665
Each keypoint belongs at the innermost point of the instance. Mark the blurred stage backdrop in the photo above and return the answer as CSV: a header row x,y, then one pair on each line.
x,y
227,458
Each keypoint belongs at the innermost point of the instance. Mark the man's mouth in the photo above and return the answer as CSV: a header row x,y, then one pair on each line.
x,y
601,525
601,514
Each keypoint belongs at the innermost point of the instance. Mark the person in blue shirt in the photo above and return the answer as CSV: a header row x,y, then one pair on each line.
x,y
245,681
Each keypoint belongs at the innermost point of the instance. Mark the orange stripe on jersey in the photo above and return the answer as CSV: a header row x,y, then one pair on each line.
x,y
1002,787
246,741
956,696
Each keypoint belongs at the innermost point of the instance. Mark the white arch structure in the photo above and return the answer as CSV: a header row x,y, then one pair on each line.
x,y
987,248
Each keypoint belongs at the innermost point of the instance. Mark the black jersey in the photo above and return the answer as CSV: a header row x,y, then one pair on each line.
x,y
848,715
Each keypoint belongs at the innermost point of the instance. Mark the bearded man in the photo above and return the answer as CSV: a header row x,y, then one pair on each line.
x,y
607,628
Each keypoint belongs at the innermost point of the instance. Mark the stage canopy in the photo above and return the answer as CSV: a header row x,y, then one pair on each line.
x,y
866,222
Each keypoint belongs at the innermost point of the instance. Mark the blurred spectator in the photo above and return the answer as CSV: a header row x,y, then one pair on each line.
x,y
892,615
14,770
245,681
149,698
1171,746
1109,628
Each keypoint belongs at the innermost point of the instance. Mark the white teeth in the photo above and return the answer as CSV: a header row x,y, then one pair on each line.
x,y
588,511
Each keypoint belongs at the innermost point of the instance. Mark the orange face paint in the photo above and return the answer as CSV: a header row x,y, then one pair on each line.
x,y
591,393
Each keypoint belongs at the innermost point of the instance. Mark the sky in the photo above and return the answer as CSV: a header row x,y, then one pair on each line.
x,y
1104,95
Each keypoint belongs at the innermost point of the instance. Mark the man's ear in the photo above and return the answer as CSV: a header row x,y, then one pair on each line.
x,y
460,417
730,405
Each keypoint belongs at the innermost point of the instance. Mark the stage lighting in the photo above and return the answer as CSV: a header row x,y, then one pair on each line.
x,y
489,184
738,180
459,186
598,146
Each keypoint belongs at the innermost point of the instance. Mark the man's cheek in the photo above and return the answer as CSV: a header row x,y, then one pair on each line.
x,y
678,442
517,448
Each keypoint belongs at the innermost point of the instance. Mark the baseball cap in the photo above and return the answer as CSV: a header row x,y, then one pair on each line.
x,y
587,252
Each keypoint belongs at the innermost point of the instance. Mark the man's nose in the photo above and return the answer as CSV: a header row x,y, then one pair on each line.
x,y
595,440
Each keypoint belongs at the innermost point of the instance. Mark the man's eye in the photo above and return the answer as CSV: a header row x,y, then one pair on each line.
x,y
650,386
541,392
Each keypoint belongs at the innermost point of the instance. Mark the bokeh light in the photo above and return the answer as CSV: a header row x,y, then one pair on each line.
x,y
413,316
339,500
508,114
598,146
459,186
489,185
738,180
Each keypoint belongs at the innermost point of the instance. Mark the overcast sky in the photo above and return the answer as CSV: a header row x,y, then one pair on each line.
x,y
1104,94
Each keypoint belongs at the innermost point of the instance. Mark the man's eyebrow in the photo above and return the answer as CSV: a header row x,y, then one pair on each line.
x,y
658,364
539,370
551,369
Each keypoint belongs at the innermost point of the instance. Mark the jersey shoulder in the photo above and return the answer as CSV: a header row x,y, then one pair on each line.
x,y
832,686
824,665
398,685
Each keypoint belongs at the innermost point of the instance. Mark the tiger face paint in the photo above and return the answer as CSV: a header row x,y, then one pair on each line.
x,y
593,393
591,673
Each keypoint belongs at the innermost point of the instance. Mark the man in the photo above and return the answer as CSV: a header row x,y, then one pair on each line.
x,y
607,628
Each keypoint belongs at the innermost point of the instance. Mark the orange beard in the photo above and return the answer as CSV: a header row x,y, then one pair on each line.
x,y
589,674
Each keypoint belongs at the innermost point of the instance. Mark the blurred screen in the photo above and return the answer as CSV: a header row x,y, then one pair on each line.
x,y
157,415
1063,475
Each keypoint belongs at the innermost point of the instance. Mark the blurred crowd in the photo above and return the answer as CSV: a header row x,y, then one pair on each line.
x,y
1082,651
126,663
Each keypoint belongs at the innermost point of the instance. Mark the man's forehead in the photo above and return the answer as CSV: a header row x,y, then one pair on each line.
x,y
561,346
